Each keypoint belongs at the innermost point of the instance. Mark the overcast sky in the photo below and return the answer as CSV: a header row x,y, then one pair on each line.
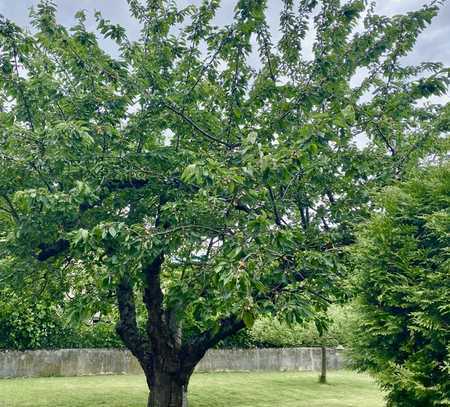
x,y
434,44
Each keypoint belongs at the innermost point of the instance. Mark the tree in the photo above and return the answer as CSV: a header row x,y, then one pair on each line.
x,y
403,283
217,190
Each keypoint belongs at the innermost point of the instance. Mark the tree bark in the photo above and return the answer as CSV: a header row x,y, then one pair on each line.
x,y
167,391
323,371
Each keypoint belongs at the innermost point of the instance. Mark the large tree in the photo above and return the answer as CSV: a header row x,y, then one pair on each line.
x,y
177,170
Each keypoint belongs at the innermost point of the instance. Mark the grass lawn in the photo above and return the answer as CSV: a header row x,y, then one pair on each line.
x,y
345,389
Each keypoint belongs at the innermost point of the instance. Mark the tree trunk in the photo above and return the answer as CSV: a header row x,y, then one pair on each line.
x,y
323,371
167,391
167,362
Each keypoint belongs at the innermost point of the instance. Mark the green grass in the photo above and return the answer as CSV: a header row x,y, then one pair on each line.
x,y
345,389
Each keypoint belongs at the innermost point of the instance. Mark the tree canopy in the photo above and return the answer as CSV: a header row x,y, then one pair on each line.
x,y
219,189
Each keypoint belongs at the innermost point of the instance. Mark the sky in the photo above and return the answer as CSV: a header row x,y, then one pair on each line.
x,y
433,45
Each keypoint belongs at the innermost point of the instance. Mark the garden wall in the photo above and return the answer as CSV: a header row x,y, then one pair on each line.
x,y
79,362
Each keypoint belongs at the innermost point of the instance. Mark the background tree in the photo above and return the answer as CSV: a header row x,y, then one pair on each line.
x,y
219,190
402,334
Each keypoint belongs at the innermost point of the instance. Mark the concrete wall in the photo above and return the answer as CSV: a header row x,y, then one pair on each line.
x,y
79,362
289,359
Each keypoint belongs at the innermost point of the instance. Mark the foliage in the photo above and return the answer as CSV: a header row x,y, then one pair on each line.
x,y
219,190
403,286
32,325
99,335
28,323
271,333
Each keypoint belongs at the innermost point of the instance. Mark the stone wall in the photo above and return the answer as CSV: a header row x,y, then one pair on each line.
x,y
80,362
289,359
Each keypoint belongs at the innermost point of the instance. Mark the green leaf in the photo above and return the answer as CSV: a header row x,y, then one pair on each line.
x,y
248,318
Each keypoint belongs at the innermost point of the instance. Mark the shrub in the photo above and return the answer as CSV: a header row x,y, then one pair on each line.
x,y
403,288
271,333
29,323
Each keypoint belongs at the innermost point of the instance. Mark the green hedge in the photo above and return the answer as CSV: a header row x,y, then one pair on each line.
x,y
271,333
27,324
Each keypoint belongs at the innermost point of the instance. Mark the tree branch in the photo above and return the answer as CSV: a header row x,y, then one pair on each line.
x,y
12,210
278,219
55,249
197,127
195,349
153,295
124,184
127,327
385,140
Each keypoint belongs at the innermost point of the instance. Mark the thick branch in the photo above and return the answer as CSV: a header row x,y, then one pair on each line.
x,y
195,349
55,249
51,250
127,327
153,295
158,320
303,217
278,219
124,184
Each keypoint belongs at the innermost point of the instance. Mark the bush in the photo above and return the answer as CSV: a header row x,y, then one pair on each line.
x,y
403,287
27,323
271,333
99,335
